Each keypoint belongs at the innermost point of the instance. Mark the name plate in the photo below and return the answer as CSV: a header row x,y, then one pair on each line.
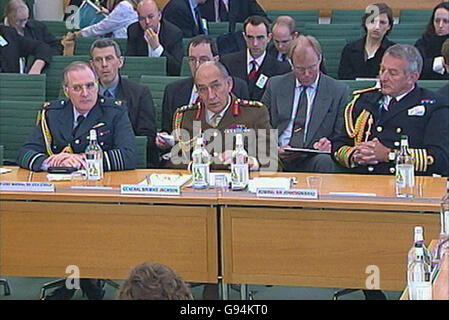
x,y
150,190
27,186
288,194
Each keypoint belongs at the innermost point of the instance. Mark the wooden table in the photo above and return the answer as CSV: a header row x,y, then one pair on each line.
x,y
209,235
330,242
105,234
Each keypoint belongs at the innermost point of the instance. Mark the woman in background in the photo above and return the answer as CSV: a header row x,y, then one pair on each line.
x,y
431,42
361,58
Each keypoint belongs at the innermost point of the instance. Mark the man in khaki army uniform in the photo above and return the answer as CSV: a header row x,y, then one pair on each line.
x,y
219,117
377,118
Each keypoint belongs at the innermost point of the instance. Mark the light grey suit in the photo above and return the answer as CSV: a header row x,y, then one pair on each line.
x,y
327,115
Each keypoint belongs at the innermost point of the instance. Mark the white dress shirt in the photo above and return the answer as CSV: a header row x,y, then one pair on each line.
x,y
250,58
284,138
116,22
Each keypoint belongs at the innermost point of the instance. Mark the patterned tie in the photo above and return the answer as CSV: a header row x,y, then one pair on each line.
x,y
215,120
198,20
79,120
301,116
253,73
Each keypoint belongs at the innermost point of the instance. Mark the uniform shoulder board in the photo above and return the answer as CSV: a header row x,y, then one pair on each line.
x,y
110,102
365,90
56,104
249,103
188,107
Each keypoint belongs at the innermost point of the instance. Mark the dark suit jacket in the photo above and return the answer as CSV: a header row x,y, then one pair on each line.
x,y
327,110
444,93
170,38
179,13
20,47
236,63
38,31
353,64
141,113
239,10
177,94
430,47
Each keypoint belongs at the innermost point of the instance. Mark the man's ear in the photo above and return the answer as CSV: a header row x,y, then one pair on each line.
x,y
66,93
122,61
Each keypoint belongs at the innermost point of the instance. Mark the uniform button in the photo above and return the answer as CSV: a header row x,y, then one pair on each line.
x,y
397,143
215,154
392,170
370,169
379,129
77,141
398,130
101,143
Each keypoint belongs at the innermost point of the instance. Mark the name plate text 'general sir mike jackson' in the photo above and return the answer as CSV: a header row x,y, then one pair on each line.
x,y
149,190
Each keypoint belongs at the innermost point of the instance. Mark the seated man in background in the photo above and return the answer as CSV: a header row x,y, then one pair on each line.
x,y
13,47
184,92
17,16
377,118
153,37
444,91
154,281
306,107
283,32
254,65
61,137
106,60
186,15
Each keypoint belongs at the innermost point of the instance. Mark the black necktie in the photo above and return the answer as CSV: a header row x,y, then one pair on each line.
x,y
301,116
222,11
383,110
198,20
79,120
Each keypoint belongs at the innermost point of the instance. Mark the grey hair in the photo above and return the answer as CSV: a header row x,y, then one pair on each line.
x,y
76,65
410,54
224,72
15,5
105,43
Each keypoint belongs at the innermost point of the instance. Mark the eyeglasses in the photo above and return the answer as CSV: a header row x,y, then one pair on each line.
x,y
99,60
311,68
79,87
201,60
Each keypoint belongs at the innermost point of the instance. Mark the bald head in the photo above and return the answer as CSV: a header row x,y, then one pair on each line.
x,y
214,85
305,54
149,15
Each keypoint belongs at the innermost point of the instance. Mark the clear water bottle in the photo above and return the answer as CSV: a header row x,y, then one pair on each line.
x,y
418,278
239,165
200,165
418,243
94,158
405,171
443,242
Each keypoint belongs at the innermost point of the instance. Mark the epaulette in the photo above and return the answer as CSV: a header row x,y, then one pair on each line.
x,y
249,103
364,90
111,102
56,104
188,107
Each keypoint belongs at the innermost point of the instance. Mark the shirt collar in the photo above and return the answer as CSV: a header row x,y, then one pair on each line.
x,y
259,60
312,86
112,89
398,98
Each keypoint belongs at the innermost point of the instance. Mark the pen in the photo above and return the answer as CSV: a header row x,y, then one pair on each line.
x,y
297,130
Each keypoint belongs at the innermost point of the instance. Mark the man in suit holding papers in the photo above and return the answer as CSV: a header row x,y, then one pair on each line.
x,y
306,107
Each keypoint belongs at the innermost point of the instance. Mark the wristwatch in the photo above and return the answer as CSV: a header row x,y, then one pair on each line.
x,y
392,155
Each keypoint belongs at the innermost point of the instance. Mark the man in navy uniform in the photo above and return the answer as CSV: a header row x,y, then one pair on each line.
x,y
61,135
376,119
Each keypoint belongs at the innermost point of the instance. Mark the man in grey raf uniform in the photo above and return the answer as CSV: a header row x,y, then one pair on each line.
x,y
62,132
377,118
219,116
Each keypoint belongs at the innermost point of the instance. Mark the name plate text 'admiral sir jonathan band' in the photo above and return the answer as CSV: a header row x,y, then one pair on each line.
x,y
27,187
288,194
150,190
